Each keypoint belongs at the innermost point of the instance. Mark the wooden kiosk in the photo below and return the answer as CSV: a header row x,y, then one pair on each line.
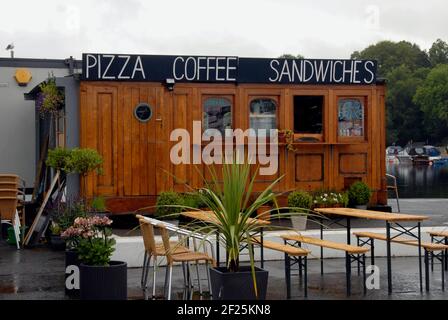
x,y
129,105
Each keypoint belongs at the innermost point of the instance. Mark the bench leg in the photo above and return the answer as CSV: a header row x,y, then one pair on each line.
x,y
348,272
305,278
321,248
364,278
442,267
446,254
426,270
288,276
432,255
372,252
359,257
300,267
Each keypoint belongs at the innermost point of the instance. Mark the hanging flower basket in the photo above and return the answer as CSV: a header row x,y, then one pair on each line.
x,y
50,99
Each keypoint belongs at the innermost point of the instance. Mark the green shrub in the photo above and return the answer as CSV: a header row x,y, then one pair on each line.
x,y
98,204
193,200
85,160
166,204
59,159
359,194
300,199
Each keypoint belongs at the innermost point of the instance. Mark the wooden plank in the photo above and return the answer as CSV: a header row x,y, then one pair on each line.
x,y
42,207
372,215
209,216
326,244
438,233
290,250
402,240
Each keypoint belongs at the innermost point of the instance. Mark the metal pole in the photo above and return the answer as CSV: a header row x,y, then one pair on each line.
x,y
420,256
389,263
261,248
321,248
426,270
348,273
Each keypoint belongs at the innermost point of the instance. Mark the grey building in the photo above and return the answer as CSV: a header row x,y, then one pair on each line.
x,y
18,119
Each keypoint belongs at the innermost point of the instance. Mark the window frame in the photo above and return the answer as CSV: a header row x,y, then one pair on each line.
x,y
320,137
227,97
364,137
277,111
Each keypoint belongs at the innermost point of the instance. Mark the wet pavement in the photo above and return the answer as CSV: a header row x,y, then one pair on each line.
x,y
39,273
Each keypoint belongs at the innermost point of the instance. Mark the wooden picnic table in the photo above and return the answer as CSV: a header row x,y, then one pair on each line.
x,y
209,216
395,219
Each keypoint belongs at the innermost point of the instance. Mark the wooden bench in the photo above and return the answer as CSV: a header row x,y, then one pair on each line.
x,y
442,238
352,253
293,256
428,247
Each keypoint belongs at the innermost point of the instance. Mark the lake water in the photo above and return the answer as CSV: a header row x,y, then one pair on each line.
x,y
422,181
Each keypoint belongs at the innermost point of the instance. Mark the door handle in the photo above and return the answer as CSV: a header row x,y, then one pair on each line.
x,y
159,119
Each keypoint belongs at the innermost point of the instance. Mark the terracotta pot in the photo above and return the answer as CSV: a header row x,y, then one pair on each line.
x,y
263,214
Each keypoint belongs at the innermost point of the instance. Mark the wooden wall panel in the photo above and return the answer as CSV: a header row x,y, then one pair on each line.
x,y
352,163
309,167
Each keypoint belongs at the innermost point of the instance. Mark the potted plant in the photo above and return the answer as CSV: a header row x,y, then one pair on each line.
x,y
74,210
83,161
264,211
98,206
56,241
330,199
169,205
287,136
359,195
301,202
50,99
229,201
100,278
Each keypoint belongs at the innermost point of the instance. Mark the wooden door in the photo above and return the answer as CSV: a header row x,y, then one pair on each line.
x,y
138,141
127,145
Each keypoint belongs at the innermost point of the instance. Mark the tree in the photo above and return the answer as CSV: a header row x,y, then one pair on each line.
x,y
432,98
438,53
404,117
291,56
391,55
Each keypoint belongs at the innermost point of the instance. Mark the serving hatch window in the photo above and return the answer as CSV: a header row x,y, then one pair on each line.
x,y
217,114
263,115
308,114
350,117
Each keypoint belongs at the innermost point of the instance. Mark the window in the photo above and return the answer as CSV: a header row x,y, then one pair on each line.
x,y
308,114
350,117
217,114
263,115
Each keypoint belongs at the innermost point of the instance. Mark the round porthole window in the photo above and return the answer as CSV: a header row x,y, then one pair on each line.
x,y
143,112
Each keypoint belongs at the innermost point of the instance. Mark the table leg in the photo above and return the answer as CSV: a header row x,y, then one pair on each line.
x,y
389,265
321,248
348,231
217,249
261,249
446,254
420,257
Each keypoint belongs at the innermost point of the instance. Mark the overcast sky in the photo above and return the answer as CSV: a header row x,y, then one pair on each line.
x,y
261,28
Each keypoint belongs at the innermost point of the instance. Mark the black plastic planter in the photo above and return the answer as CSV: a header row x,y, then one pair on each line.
x,y
104,282
57,243
238,285
71,259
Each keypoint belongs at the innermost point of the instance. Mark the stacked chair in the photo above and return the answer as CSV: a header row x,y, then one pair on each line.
x,y
174,252
12,201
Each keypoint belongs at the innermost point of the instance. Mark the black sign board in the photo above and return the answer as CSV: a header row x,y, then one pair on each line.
x,y
226,69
